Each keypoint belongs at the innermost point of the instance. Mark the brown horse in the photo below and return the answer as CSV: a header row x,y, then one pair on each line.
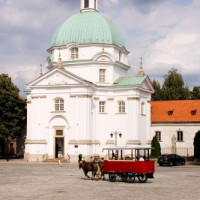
x,y
96,167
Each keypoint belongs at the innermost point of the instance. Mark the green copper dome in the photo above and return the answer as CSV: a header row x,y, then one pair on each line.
x,y
86,28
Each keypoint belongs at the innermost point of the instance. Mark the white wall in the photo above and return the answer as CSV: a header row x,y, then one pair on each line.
x,y
87,65
168,130
81,120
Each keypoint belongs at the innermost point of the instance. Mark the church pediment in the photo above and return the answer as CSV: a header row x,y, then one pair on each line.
x,y
58,77
104,57
146,84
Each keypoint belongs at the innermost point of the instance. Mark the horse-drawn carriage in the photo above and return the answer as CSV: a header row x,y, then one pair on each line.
x,y
128,163
125,162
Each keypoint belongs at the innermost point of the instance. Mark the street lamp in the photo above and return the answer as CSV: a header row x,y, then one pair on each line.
x,y
115,133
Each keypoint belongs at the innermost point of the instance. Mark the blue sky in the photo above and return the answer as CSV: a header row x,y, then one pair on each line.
x,y
166,33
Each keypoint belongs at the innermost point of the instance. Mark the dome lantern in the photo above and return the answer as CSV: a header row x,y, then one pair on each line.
x,y
89,5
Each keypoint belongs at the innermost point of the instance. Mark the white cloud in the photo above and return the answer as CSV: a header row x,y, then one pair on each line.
x,y
163,33
179,46
166,36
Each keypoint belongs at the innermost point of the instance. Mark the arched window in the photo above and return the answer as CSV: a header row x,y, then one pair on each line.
x,y
179,136
59,105
120,55
143,112
74,53
102,75
158,135
121,105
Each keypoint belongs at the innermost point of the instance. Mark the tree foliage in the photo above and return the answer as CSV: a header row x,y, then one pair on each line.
x,y
157,95
173,87
155,145
12,109
195,93
197,145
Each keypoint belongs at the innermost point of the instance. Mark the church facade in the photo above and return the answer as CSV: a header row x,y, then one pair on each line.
x,y
86,101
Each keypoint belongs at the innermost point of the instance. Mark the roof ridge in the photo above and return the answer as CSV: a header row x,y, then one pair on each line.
x,y
176,100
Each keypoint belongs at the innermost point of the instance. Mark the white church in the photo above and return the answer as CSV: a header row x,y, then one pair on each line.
x,y
87,100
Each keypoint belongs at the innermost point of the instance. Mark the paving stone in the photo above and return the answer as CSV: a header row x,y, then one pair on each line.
x,y
34,181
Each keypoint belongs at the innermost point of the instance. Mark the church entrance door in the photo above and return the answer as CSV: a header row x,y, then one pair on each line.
x,y
59,144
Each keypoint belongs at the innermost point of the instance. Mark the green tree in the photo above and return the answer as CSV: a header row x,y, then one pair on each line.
x,y
197,145
157,95
155,145
195,93
174,87
12,110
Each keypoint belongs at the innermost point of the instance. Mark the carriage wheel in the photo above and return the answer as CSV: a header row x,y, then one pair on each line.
x,y
142,178
112,177
124,177
131,178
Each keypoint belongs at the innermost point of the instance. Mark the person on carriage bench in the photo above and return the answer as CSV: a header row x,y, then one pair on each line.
x,y
141,158
114,156
91,159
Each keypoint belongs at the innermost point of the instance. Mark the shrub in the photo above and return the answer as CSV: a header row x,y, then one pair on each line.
x,y
155,145
197,145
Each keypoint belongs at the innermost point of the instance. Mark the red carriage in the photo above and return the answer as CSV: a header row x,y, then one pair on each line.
x,y
128,163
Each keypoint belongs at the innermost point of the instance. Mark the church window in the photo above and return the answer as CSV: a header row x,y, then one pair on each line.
x,y
158,135
120,55
102,73
95,4
143,108
102,106
59,132
74,53
180,136
59,105
121,107
86,3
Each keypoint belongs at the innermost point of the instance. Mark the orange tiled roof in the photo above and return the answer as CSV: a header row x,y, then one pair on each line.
x,y
175,111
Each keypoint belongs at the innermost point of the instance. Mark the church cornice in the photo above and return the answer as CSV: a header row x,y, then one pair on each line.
x,y
81,95
89,62
121,65
35,142
87,45
84,142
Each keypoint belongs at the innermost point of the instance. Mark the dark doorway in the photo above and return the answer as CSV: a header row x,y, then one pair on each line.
x,y
59,142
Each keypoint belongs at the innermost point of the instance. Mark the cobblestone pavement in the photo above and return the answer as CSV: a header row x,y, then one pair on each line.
x,y
20,180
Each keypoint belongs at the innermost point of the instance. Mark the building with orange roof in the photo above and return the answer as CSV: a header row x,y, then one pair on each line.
x,y
178,119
